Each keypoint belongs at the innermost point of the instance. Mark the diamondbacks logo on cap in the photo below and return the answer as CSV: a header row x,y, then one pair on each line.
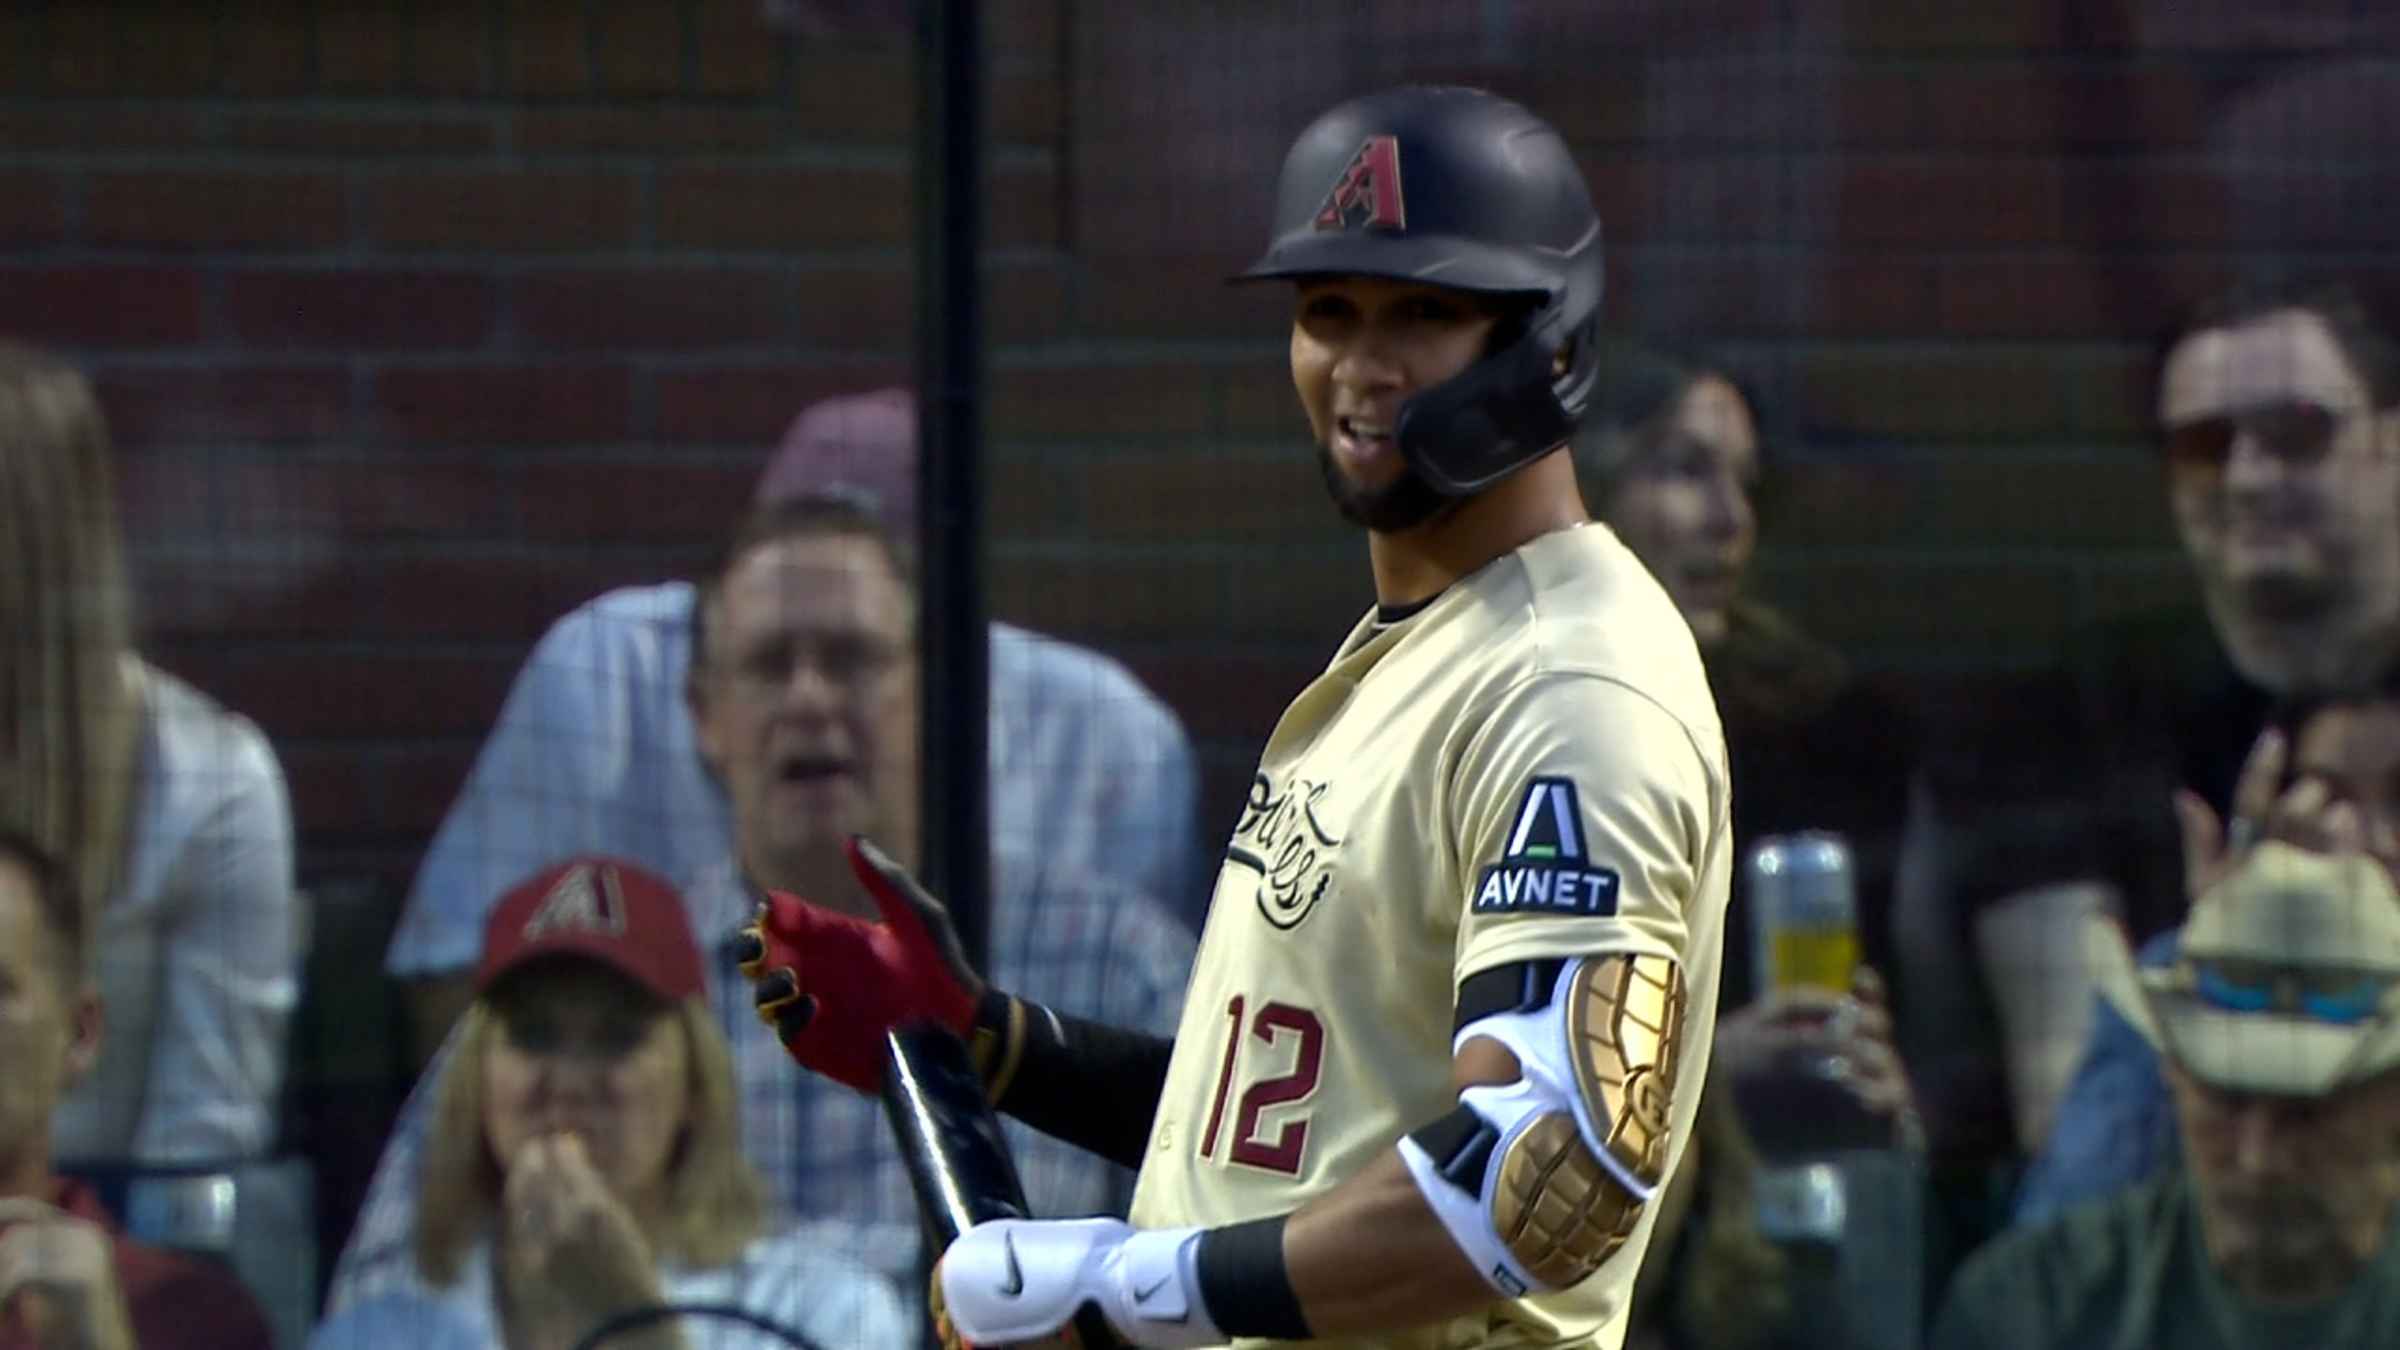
x,y
1544,868
1368,190
587,899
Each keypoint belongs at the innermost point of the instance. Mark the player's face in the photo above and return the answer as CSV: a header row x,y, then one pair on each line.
x,y
579,1049
1360,347
2295,1195
806,707
2283,477
1684,507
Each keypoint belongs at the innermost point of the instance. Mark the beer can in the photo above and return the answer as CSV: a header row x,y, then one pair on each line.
x,y
1803,897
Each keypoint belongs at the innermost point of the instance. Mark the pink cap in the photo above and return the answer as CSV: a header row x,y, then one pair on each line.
x,y
857,446
611,911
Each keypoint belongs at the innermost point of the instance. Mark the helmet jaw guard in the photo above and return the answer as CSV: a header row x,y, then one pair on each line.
x,y
1506,410
1465,190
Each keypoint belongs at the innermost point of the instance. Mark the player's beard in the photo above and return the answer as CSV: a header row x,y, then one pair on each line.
x,y
1402,504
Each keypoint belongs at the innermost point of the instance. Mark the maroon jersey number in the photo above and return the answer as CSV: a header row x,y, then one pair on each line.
x,y
1273,1023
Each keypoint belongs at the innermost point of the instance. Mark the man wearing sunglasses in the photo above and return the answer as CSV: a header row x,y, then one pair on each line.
x,y
2282,447
2277,425
2281,452
2278,1024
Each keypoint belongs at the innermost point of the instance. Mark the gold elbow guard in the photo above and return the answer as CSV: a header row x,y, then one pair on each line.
x,y
1559,1208
1625,1031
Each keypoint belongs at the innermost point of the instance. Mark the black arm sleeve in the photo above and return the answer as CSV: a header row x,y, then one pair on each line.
x,y
1093,1086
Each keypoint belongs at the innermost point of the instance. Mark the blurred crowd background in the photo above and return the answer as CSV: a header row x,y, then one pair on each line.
x,y
357,349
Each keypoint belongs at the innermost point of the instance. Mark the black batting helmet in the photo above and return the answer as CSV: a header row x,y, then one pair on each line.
x,y
1460,188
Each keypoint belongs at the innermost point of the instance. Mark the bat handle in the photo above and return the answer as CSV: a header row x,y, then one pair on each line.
x,y
957,1158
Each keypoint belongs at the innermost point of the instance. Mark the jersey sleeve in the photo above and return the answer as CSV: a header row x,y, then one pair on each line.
x,y
1581,814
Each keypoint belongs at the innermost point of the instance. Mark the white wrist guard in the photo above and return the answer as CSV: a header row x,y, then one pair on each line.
x,y
1012,1280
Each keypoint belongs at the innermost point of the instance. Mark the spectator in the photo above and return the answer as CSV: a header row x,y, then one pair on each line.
x,y
595,748
804,659
170,810
68,1277
2116,1125
1670,459
2283,465
584,1158
2276,1023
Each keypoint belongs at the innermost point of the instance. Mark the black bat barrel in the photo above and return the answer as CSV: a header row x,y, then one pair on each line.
x,y
948,1136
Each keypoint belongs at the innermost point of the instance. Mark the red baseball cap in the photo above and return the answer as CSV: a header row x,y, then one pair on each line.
x,y
609,910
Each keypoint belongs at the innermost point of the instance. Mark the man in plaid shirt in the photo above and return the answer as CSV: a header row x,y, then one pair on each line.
x,y
803,704
597,750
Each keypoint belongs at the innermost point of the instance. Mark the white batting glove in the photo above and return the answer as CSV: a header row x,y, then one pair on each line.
x,y
1011,1280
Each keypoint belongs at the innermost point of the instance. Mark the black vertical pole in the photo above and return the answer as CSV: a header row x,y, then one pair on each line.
x,y
954,633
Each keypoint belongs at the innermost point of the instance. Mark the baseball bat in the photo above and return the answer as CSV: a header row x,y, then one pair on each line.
x,y
957,1159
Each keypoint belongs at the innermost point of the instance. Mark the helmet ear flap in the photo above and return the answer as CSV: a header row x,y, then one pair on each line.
x,y
1575,372
1489,420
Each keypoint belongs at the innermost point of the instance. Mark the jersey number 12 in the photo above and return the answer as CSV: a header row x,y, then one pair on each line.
x,y
1274,1022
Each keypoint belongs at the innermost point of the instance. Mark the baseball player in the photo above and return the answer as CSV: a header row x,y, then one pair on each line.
x,y
1451,1013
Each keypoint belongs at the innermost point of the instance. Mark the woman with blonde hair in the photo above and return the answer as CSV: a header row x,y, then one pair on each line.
x,y
584,1159
170,810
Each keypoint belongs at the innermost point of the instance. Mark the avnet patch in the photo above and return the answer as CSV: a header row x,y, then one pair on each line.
x,y
1546,888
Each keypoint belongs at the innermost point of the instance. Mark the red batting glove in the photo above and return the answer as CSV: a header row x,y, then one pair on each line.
x,y
832,985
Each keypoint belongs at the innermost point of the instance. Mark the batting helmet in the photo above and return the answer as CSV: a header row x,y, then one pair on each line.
x,y
1459,188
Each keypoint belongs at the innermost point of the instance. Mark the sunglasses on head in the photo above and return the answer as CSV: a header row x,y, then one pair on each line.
x,y
2296,432
2343,998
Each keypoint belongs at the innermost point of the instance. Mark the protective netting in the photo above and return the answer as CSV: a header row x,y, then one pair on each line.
x,y
419,330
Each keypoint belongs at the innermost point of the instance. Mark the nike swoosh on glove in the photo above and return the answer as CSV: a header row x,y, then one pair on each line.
x,y
1006,1282
832,985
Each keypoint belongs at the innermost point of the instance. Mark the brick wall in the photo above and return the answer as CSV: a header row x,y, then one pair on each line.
x,y
420,324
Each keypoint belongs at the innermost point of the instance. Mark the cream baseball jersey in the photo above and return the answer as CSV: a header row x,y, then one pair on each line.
x,y
1530,766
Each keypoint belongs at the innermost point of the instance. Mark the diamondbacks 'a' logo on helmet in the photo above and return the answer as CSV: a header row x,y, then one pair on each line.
x,y
1368,190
